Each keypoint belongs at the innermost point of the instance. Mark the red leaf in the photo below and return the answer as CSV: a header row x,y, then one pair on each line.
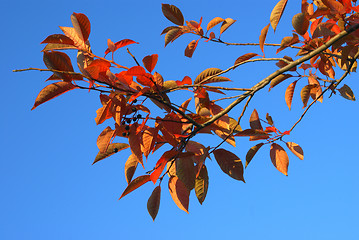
x,y
58,38
121,44
134,140
150,62
59,61
51,91
136,71
191,47
136,183
161,164
185,80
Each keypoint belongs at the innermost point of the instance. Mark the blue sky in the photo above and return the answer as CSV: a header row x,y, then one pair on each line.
x,y
50,190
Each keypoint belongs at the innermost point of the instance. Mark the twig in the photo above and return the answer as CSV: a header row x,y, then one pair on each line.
x,y
134,58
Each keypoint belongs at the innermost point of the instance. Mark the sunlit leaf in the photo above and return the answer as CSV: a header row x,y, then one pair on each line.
x,y
130,167
289,92
191,47
229,163
72,34
112,149
150,62
201,78
120,44
148,140
59,39
81,25
214,22
280,78
57,46
254,121
277,13
172,35
153,203
173,14
245,57
103,113
300,23
296,150
201,184
167,29
262,37
252,152
104,139
226,24
51,91
346,92
135,183
186,80
161,164
179,193
279,158
316,90
234,124
305,94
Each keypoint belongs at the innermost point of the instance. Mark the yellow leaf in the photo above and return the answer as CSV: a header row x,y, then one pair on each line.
x,y
277,13
226,24
214,22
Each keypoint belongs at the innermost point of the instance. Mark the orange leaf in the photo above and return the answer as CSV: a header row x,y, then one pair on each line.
x,y
59,61
289,94
135,183
262,37
103,113
153,203
173,14
279,158
104,139
277,13
305,93
214,22
278,79
148,142
172,35
226,24
179,193
130,167
316,90
81,25
136,71
150,62
229,163
254,121
59,39
300,23
201,78
161,164
72,34
120,44
51,91
112,149
245,57
296,150
252,152
191,47
185,80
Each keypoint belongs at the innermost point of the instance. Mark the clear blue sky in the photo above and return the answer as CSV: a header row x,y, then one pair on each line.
x,y
50,190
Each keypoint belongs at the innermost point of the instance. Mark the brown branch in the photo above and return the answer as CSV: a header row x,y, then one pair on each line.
x,y
204,86
134,58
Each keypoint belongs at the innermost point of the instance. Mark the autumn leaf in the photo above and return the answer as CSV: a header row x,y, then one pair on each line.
x,y
81,25
316,90
51,91
245,57
185,171
58,39
226,24
229,163
305,93
254,121
203,77
263,37
161,164
150,62
252,152
179,193
148,140
153,203
103,113
135,183
130,167
277,13
279,158
191,47
112,149
104,139
173,14
72,34
214,22
59,61
201,184
300,23
346,92
289,92
296,150
172,35
134,139
185,80
120,44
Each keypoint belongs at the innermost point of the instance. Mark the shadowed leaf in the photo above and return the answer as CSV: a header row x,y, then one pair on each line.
x,y
150,62
346,92
254,121
229,163
280,78
300,23
191,47
296,150
201,184
153,203
130,167
173,14
185,171
252,152
172,35
59,61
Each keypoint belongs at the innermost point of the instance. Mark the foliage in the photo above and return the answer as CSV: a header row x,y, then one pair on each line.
x,y
325,37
